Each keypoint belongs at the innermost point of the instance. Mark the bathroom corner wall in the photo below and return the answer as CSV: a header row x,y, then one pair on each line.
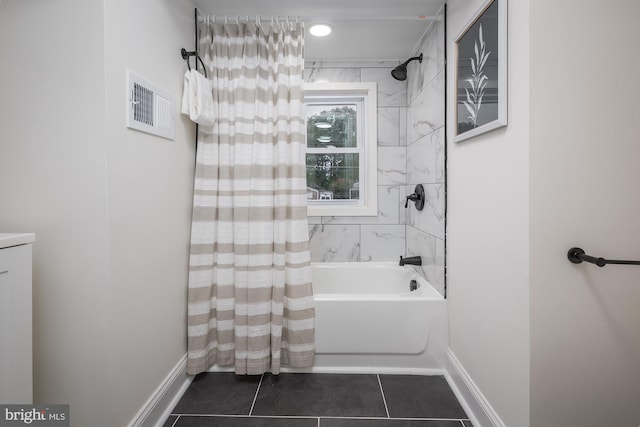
x,y
379,238
110,206
425,230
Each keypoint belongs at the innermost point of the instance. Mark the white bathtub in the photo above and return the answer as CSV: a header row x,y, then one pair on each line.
x,y
367,319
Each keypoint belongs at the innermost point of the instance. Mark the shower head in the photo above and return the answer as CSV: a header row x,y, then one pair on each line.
x,y
400,72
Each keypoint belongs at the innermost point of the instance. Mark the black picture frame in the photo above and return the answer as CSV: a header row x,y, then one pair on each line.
x,y
481,72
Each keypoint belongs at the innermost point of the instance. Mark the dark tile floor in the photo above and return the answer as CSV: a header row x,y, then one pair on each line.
x,y
318,400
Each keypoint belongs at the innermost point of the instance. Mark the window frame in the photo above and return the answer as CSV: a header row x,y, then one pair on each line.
x,y
366,93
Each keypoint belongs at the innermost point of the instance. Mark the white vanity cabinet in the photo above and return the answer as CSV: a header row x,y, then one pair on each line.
x,y
16,360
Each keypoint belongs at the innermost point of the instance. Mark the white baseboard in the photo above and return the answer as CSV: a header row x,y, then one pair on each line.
x,y
471,398
382,370
157,408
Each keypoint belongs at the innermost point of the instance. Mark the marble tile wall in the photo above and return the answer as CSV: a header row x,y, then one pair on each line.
x,y
411,149
425,231
383,237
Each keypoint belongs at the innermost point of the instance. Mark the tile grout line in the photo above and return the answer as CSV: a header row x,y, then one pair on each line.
x,y
306,417
311,417
318,421
255,397
176,421
383,398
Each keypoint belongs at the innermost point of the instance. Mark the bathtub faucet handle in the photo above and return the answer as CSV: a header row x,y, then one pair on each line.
x,y
413,197
417,197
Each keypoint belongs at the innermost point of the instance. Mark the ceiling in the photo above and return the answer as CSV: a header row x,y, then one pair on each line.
x,y
353,40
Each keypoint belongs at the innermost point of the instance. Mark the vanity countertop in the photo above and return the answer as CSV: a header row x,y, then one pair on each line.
x,y
15,239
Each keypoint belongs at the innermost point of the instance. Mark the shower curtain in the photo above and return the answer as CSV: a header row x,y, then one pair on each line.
x,y
250,296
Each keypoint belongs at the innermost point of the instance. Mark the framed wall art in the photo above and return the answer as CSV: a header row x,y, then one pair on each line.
x,y
481,72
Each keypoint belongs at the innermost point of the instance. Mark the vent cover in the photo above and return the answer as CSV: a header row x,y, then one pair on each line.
x,y
149,108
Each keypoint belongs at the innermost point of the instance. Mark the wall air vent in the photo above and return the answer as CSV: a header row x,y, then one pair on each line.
x,y
149,108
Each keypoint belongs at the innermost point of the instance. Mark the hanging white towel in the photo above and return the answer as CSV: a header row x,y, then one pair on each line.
x,y
197,99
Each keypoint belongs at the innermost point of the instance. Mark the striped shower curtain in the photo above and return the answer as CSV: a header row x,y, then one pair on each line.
x,y
250,297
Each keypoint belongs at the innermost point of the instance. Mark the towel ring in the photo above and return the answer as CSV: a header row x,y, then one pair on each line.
x,y
186,55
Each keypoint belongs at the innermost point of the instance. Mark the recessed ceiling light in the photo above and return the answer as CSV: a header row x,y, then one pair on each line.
x,y
324,139
323,125
320,30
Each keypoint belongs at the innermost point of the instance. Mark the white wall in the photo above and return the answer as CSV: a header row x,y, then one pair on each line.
x,y
585,321
53,182
150,196
110,207
488,234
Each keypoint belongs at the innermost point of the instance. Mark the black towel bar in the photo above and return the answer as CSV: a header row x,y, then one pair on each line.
x,y
577,256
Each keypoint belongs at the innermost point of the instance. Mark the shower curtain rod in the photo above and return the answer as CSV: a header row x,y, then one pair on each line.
x,y
328,19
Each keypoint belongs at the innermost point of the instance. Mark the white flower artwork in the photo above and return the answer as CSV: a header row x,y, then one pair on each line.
x,y
478,80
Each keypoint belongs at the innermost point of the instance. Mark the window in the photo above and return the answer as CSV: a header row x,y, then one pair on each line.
x,y
341,149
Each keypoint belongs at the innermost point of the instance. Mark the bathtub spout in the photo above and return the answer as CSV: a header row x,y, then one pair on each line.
x,y
412,260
